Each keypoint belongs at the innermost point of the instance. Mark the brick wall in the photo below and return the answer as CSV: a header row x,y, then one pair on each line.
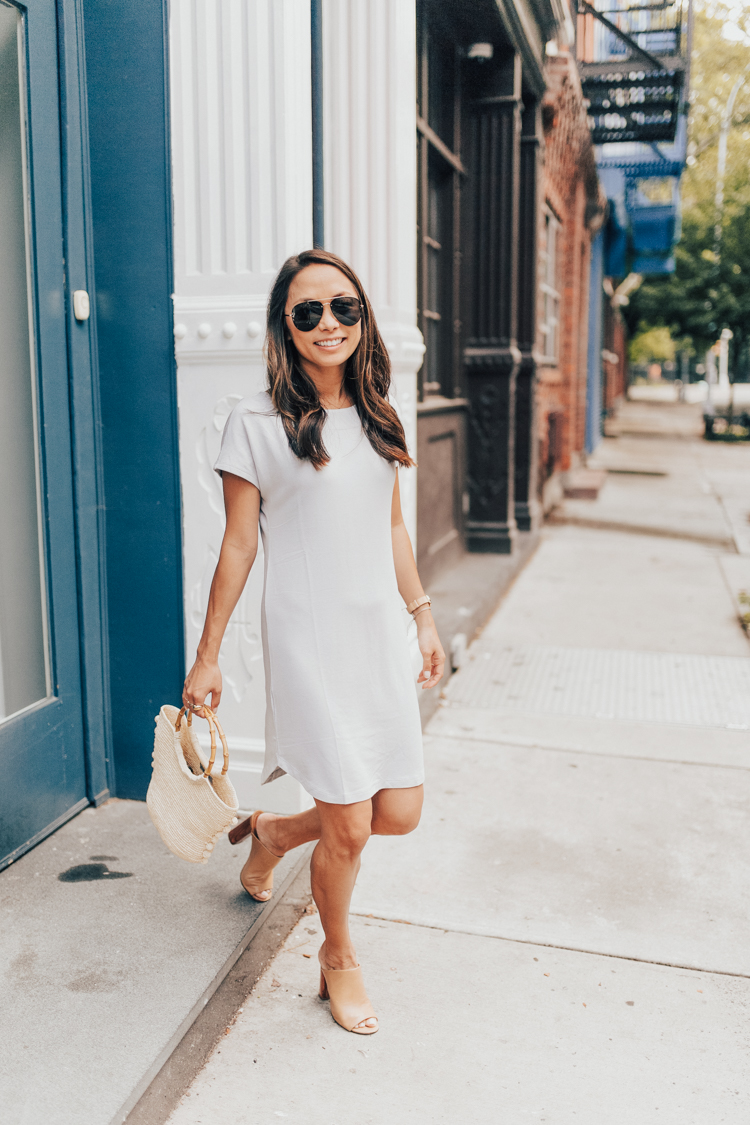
x,y
572,194
614,360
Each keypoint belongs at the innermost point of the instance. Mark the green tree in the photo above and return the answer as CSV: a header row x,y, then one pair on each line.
x,y
708,292
652,344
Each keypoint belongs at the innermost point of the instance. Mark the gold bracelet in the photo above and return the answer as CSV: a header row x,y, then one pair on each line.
x,y
418,611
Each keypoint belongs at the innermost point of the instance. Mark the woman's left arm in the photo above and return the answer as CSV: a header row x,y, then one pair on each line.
x,y
409,586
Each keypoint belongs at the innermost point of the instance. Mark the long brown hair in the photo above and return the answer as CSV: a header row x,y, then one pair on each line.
x,y
368,375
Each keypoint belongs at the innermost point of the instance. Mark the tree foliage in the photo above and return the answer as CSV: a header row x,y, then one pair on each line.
x,y
707,292
652,344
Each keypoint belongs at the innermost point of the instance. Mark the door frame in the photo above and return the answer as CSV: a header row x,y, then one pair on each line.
x,y
86,427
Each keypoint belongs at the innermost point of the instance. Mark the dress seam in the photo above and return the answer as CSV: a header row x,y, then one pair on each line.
x,y
314,619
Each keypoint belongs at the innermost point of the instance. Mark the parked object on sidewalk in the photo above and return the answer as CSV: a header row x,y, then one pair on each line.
x,y
724,425
190,807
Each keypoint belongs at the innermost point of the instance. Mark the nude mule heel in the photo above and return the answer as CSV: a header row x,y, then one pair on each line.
x,y
260,863
345,989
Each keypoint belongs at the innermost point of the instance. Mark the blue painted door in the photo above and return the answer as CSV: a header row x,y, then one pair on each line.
x,y
42,756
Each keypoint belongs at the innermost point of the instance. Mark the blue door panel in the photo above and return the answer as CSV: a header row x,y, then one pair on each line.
x,y
43,781
42,749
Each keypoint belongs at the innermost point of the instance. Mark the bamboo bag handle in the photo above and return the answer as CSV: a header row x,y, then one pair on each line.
x,y
213,726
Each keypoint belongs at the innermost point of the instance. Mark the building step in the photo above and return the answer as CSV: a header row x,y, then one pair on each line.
x,y
584,484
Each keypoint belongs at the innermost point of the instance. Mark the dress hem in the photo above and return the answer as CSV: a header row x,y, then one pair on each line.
x,y
360,795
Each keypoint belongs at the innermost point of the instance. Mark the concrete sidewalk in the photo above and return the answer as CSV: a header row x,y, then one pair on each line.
x,y
111,948
564,939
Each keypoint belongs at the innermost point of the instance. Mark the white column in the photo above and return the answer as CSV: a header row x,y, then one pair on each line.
x,y
369,137
242,173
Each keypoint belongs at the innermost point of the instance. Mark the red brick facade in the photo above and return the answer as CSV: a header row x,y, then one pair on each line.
x,y
614,358
573,199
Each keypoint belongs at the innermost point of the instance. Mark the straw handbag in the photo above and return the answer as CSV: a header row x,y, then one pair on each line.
x,y
190,808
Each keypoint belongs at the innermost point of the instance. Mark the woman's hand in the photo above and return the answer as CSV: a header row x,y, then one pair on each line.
x,y
433,657
203,679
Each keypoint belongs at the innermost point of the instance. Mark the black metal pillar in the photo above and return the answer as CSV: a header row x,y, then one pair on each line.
x,y
527,508
490,356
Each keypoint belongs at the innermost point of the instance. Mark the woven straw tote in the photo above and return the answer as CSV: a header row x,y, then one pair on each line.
x,y
189,807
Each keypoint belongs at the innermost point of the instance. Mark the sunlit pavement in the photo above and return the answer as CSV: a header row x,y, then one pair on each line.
x,y
564,937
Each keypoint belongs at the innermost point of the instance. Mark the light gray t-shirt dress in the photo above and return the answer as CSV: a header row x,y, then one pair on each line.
x,y
341,707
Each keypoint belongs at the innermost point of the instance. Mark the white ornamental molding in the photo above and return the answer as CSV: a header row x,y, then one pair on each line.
x,y
241,141
221,329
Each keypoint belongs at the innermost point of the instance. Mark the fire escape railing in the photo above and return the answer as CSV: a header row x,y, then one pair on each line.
x,y
632,59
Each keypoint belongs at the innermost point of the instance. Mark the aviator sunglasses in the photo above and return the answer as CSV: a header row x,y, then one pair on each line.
x,y
306,315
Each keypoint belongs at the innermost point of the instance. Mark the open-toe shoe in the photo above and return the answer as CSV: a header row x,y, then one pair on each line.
x,y
257,874
350,1006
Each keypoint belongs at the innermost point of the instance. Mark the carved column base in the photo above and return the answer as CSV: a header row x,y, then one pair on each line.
x,y
491,538
528,515
491,383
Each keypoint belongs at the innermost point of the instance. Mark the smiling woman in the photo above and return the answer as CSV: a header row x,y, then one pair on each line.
x,y
315,461
318,313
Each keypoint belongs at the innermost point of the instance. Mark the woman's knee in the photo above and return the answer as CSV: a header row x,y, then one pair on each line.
x,y
346,835
346,845
396,812
396,823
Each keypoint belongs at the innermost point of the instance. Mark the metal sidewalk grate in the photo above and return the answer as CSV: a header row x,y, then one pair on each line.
x,y
704,691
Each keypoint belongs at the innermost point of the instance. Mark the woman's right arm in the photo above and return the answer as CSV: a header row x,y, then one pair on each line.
x,y
238,550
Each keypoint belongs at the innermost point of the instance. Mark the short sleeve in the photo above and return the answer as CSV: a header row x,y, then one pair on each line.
x,y
236,454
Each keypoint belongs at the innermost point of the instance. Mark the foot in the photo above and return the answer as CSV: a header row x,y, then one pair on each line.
x,y
266,829
257,874
347,962
346,959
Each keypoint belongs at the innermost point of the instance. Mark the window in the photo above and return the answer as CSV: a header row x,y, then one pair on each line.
x,y
24,660
437,207
549,321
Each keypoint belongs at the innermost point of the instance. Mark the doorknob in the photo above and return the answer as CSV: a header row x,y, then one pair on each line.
x,y
81,306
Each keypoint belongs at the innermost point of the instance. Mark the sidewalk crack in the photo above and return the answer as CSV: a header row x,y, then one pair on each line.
x,y
480,931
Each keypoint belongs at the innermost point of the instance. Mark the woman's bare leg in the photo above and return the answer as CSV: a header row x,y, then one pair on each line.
x,y
345,829
342,832
280,834
395,812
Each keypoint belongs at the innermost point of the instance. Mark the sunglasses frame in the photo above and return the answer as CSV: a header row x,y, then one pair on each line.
x,y
323,304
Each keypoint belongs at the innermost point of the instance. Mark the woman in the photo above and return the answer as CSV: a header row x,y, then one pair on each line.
x,y
314,460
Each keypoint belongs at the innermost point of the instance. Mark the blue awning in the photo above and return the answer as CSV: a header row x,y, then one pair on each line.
x,y
653,228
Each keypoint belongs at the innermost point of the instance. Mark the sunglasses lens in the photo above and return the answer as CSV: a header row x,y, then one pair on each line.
x,y
307,315
347,310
